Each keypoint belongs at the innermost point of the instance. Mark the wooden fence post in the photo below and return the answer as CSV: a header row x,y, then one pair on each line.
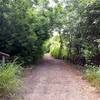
x,y
3,60
3,57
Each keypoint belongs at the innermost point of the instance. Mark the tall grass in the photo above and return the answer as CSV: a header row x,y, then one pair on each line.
x,y
9,78
52,46
54,51
92,74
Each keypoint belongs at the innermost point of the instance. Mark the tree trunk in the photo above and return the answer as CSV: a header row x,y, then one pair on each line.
x,y
70,40
61,46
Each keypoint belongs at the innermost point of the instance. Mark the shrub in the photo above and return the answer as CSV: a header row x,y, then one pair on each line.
x,y
9,78
55,52
64,52
92,74
53,46
24,36
46,46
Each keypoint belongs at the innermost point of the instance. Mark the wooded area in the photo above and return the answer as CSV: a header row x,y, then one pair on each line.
x,y
67,29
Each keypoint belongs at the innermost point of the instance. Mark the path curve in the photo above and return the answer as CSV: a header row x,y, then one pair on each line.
x,y
55,80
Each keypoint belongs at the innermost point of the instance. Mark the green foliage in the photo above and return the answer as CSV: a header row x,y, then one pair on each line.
x,y
55,51
26,24
53,46
46,46
92,74
78,25
64,53
10,78
23,30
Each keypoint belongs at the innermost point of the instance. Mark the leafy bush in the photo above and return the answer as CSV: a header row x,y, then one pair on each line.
x,y
23,29
54,51
9,78
64,52
46,46
53,46
92,74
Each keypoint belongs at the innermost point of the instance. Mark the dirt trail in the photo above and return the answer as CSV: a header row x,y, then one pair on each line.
x,y
55,80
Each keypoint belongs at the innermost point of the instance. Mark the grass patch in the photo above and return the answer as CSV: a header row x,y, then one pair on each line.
x,y
10,79
92,74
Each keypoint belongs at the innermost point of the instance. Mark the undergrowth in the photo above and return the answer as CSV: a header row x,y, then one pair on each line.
x,y
92,74
10,80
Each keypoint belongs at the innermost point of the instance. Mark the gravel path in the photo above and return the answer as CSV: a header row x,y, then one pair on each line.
x,y
55,80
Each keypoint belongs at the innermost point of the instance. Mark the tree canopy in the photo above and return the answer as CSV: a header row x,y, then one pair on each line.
x,y
26,24
23,29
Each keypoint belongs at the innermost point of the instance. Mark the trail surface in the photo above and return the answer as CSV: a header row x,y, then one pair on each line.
x,y
55,80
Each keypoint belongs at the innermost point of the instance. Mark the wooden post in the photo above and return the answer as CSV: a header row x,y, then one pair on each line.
x,y
3,60
3,57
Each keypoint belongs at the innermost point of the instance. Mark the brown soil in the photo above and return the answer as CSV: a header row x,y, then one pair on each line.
x,y
55,80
